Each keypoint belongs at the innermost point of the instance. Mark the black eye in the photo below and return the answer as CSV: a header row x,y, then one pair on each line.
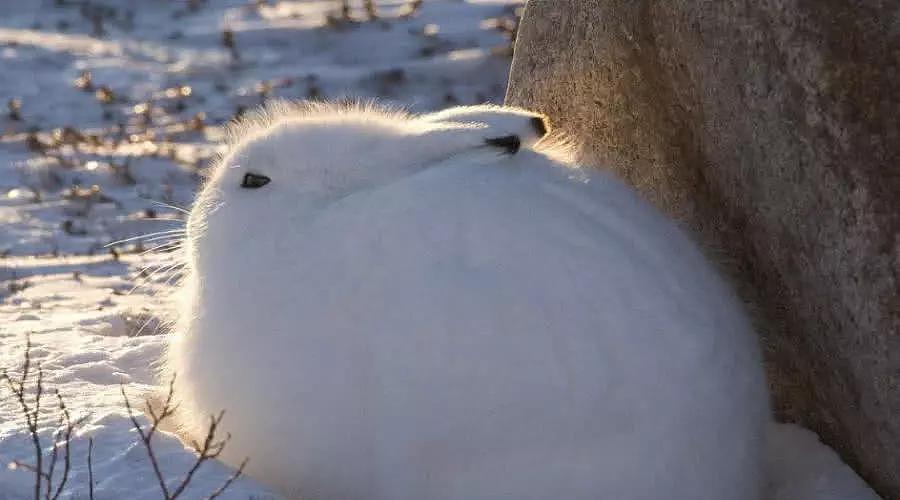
x,y
254,181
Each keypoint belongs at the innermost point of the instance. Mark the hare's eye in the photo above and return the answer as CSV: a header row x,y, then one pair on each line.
x,y
254,181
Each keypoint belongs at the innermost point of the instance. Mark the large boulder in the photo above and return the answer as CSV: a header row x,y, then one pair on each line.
x,y
773,129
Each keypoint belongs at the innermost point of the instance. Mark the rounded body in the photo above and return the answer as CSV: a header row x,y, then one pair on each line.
x,y
473,330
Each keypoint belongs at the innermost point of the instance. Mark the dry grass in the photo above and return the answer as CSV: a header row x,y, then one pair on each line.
x,y
51,473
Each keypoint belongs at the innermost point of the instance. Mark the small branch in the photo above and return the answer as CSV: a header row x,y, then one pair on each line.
x,y
33,419
22,465
210,449
90,469
53,456
67,459
237,474
31,415
145,438
371,9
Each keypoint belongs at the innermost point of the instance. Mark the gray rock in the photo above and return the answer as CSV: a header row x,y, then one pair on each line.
x,y
773,129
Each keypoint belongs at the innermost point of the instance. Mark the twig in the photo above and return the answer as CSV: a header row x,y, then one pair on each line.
x,y
371,9
230,480
90,469
210,449
64,427
410,9
53,455
31,415
67,460
145,438
22,465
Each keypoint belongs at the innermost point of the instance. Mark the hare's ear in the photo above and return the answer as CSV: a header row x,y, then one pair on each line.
x,y
254,181
440,140
529,125
539,124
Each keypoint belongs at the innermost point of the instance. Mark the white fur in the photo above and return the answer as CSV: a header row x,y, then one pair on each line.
x,y
406,314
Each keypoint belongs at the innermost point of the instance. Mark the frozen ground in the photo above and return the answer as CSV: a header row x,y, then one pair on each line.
x,y
136,111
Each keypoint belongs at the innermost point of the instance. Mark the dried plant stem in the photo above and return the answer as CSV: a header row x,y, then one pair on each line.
x,y
43,480
90,469
210,448
31,415
371,10
60,459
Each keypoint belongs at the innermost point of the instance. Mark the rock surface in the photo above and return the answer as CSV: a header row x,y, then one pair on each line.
x,y
773,129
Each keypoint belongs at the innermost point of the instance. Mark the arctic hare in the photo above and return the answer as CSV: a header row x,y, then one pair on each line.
x,y
396,307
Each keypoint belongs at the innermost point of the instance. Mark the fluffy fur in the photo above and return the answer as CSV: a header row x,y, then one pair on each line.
x,y
406,313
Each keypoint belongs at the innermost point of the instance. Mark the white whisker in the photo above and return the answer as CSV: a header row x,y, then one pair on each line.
x,y
164,237
180,222
173,207
164,247
148,279
163,270
144,325
144,236
177,275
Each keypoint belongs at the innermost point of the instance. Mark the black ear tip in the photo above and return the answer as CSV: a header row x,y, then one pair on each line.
x,y
539,126
510,143
254,181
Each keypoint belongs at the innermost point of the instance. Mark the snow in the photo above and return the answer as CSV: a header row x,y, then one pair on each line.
x,y
800,467
95,318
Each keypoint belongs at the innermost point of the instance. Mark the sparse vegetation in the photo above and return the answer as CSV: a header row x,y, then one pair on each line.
x,y
15,108
345,14
210,448
229,43
508,24
44,477
51,473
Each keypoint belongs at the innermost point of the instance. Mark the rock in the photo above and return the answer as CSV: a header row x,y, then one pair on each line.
x,y
773,129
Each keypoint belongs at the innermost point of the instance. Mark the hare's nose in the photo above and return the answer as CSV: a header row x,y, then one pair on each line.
x,y
539,126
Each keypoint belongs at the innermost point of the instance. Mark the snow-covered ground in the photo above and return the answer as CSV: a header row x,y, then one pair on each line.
x,y
129,96
137,113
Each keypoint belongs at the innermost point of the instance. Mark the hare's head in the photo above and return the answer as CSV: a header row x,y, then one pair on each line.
x,y
323,150
286,158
